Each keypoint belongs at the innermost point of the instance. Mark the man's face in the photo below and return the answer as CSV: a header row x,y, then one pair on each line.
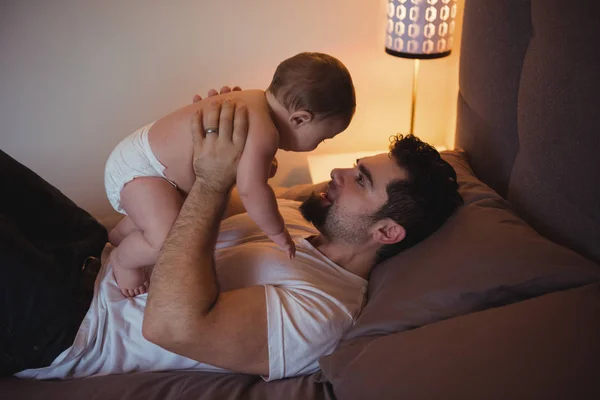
x,y
345,210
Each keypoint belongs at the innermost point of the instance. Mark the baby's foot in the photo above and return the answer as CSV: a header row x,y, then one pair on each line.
x,y
132,282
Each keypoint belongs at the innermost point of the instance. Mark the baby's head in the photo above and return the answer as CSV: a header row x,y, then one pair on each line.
x,y
312,97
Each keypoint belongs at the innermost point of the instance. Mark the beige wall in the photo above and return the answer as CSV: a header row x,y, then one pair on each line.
x,y
77,76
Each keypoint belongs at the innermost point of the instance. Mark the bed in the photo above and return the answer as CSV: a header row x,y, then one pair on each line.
x,y
504,300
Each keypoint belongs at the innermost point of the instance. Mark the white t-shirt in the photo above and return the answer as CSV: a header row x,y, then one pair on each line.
x,y
311,303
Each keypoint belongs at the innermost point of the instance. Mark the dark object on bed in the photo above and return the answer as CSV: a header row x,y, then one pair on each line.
x,y
487,307
44,241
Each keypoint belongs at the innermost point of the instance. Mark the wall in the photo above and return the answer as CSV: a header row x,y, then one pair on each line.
x,y
77,76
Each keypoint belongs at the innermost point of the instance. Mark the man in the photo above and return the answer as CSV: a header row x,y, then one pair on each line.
x,y
358,218
229,299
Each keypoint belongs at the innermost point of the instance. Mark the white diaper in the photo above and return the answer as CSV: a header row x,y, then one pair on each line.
x,y
132,158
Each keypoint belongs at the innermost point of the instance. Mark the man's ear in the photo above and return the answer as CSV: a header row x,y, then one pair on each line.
x,y
387,231
300,117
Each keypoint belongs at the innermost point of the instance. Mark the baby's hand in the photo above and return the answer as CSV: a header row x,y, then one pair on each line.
x,y
284,240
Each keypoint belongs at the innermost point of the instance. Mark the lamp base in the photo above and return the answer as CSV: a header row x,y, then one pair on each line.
x,y
417,56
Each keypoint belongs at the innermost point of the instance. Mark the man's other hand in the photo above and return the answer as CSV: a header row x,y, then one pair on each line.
x,y
219,133
213,92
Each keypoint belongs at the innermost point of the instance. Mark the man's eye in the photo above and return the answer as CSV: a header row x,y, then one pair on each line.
x,y
359,180
359,177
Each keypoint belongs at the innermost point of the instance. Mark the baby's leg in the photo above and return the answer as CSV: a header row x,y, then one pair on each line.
x,y
153,205
122,230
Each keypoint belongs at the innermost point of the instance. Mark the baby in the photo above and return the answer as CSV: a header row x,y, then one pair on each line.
x,y
310,99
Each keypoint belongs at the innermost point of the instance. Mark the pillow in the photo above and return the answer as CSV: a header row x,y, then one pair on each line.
x,y
484,256
542,348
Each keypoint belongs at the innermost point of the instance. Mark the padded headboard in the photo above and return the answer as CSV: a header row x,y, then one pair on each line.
x,y
529,111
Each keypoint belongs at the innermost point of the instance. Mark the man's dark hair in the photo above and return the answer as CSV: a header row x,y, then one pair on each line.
x,y
423,201
315,82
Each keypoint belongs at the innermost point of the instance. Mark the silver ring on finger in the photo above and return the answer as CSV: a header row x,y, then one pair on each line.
x,y
211,130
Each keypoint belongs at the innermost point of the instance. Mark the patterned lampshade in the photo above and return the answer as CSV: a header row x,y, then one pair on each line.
x,y
421,29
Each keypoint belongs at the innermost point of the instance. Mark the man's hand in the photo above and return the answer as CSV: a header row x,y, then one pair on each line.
x,y
213,92
219,135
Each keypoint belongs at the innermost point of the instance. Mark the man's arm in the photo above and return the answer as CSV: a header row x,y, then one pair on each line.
x,y
186,313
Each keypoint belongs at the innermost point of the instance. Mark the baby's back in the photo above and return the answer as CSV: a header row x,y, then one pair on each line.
x,y
171,141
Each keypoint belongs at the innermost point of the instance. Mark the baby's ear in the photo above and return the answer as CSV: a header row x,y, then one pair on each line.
x,y
300,117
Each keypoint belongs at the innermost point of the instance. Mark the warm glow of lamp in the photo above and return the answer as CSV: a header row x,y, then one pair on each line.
x,y
420,30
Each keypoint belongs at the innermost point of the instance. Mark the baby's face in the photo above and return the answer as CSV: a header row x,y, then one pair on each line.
x,y
307,137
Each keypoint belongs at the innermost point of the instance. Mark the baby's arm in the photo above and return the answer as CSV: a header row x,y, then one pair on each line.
x,y
256,194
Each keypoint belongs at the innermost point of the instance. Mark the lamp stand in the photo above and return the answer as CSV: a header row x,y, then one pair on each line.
x,y
414,94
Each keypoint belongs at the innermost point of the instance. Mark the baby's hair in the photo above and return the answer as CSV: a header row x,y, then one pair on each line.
x,y
315,82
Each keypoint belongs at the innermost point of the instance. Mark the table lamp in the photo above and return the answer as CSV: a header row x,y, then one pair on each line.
x,y
421,30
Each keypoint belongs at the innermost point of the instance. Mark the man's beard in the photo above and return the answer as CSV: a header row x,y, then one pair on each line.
x,y
314,211
335,223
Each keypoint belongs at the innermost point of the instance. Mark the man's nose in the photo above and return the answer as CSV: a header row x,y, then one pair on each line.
x,y
337,175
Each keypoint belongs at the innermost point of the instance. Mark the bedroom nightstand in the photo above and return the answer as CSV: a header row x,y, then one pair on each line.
x,y
320,165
